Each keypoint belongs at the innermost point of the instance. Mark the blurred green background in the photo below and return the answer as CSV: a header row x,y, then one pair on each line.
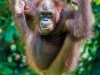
x,y
13,59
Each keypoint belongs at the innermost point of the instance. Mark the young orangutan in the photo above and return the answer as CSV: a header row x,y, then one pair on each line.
x,y
53,32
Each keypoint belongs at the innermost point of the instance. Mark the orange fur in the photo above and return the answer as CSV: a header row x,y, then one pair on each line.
x,y
58,51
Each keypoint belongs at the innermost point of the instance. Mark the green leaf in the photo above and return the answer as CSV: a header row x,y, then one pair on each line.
x,y
7,71
10,32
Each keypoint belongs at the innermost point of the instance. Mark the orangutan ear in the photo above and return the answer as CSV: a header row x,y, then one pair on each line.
x,y
58,14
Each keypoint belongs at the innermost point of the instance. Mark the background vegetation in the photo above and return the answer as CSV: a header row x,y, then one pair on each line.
x,y
13,60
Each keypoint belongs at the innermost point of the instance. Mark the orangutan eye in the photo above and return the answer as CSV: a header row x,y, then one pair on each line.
x,y
42,14
49,15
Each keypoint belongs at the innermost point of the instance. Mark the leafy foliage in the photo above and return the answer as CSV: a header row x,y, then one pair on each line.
x,y
13,59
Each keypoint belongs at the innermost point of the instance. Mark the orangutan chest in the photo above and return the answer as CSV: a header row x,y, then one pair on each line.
x,y
45,51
